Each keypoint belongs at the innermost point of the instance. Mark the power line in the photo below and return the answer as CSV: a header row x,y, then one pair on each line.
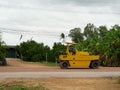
x,y
29,32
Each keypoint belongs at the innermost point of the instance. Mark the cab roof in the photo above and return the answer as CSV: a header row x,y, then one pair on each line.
x,y
71,43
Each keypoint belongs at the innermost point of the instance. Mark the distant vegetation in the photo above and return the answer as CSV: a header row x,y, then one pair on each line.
x,y
96,40
2,49
100,41
38,52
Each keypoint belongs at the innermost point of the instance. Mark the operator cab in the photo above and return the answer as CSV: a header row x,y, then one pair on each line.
x,y
71,48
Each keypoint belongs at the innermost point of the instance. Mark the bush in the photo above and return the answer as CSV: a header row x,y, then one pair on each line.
x,y
33,51
2,55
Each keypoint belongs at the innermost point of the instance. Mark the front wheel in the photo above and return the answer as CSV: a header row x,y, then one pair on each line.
x,y
64,65
94,64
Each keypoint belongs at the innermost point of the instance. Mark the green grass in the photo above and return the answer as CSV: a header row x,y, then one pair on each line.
x,y
14,88
118,81
49,63
53,64
20,87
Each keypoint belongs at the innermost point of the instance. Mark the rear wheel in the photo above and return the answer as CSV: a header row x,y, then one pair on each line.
x,y
64,65
94,64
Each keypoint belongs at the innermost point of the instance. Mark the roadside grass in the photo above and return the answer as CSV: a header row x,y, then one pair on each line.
x,y
118,81
112,83
21,87
53,64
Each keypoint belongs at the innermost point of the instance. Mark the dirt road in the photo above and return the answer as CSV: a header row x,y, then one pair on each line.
x,y
16,65
54,78
20,69
57,74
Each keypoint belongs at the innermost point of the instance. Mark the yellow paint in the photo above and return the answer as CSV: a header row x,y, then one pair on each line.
x,y
80,63
77,59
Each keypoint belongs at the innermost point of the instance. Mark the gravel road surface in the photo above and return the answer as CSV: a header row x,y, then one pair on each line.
x,y
57,74
19,69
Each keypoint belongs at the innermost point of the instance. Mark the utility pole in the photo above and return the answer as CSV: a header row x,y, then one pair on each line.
x,y
46,58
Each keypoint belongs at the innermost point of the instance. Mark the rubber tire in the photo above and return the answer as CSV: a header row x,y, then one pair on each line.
x,y
94,64
64,65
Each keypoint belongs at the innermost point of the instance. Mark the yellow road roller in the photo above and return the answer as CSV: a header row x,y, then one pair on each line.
x,y
76,59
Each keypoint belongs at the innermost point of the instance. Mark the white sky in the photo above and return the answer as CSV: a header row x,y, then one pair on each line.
x,y
45,20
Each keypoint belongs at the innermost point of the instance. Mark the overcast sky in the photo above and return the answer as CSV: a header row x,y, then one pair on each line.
x,y
45,20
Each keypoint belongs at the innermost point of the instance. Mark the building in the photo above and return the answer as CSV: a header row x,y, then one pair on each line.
x,y
11,52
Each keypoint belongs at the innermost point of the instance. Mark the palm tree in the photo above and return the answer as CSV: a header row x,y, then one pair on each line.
x,y
62,36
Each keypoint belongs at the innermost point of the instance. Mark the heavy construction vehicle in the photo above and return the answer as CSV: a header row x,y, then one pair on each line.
x,y
76,59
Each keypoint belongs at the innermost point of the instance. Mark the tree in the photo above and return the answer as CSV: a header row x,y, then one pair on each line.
x,y
1,42
33,51
116,27
101,41
58,48
2,49
90,31
76,35
111,48
102,31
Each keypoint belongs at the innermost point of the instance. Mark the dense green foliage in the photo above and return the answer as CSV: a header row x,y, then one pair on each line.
x,y
2,49
37,52
100,41
76,34
33,51
95,40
